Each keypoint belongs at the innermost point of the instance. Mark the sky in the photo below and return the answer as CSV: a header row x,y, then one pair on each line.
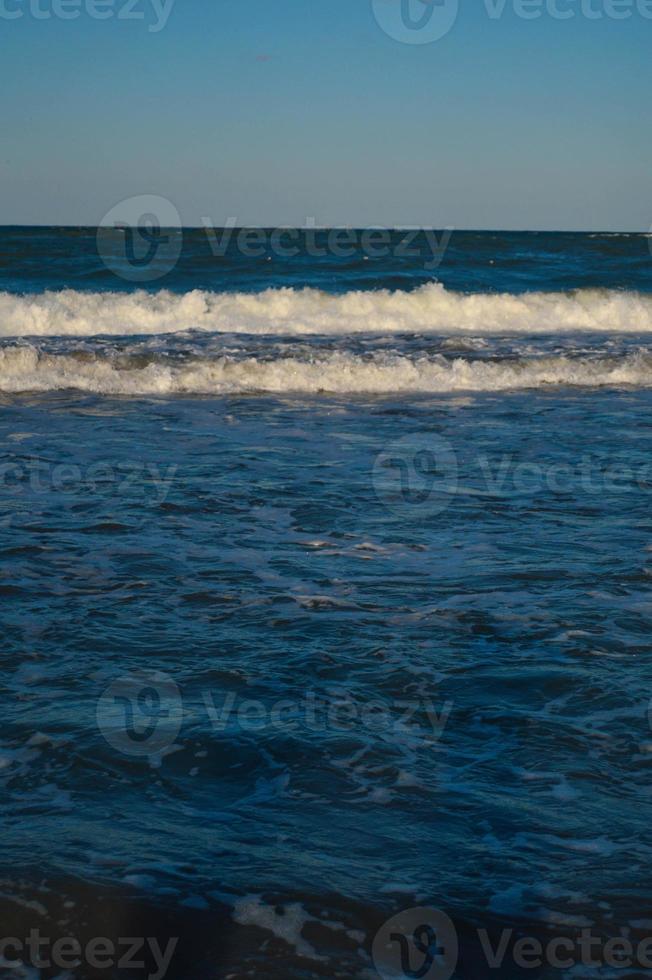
x,y
337,112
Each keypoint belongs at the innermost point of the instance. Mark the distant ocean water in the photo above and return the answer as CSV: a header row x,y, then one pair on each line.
x,y
325,596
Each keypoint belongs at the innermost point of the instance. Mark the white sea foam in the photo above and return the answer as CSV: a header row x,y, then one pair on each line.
x,y
287,925
287,311
26,368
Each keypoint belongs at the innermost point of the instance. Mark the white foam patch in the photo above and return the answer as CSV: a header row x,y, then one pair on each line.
x,y
286,923
26,368
308,311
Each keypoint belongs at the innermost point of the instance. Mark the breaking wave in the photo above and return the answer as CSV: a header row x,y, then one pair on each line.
x,y
29,369
285,311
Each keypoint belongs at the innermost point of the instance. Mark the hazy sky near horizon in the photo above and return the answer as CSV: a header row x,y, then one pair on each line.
x,y
279,111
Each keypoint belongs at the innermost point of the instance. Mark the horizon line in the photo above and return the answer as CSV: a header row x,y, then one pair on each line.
x,y
338,227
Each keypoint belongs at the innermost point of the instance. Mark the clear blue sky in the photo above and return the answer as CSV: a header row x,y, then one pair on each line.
x,y
275,111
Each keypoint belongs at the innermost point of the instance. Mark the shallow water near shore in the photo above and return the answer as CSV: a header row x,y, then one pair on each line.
x,y
464,693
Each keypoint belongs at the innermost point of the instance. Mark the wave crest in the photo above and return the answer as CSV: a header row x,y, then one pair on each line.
x,y
29,369
286,311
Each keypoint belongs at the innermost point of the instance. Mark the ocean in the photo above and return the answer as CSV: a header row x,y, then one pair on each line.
x,y
325,576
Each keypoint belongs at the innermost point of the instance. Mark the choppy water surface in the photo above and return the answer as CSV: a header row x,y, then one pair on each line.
x,y
300,632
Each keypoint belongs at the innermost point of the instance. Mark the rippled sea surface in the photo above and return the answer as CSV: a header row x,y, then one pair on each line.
x,y
307,624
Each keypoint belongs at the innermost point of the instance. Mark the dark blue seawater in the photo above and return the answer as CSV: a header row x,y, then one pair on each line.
x,y
36,259
325,594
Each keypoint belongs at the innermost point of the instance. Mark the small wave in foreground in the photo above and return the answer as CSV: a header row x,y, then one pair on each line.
x,y
27,368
